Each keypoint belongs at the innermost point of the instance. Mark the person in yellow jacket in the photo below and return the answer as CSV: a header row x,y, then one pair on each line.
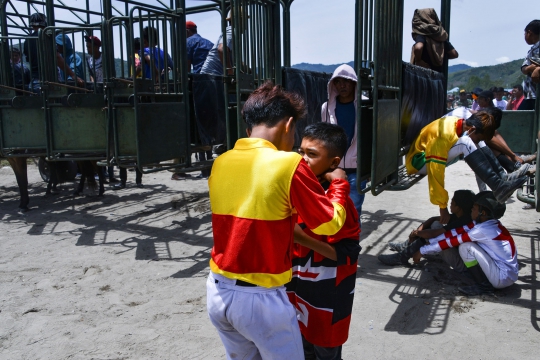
x,y
444,140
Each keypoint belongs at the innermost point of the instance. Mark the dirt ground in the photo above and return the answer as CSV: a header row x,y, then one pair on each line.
x,y
123,277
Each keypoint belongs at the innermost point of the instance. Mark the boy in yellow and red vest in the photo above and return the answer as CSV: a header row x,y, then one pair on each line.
x,y
257,190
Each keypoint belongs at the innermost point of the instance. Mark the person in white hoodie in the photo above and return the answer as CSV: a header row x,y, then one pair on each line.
x,y
340,109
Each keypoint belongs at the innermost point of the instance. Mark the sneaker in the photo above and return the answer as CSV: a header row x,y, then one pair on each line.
x,y
392,259
119,186
398,246
528,158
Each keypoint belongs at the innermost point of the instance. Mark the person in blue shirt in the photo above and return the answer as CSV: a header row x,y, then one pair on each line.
x,y
162,61
197,48
64,47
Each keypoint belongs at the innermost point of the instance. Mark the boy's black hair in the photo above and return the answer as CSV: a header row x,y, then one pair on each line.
x,y
137,44
518,86
497,115
332,136
465,200
533,26
269,104
150,35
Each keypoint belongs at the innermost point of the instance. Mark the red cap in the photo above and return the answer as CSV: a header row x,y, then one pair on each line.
x,y
190,25
93,39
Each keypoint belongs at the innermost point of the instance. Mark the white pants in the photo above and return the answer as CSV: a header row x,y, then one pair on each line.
x,y
471,252
253,322
464,146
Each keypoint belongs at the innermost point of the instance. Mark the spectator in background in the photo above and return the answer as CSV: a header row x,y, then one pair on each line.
x,y
214,61
197,48
162,61
94,58
475,94
21,73
463,101
431,46
64,47
531,65
516,98
498,101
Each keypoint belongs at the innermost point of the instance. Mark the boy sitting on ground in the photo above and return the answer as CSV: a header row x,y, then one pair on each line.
x,y
460,207
486,248
324,267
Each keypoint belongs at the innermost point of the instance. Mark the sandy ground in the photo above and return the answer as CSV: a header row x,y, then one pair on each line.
x,y
123,277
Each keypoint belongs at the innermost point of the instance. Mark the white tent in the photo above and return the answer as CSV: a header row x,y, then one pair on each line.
x,y
454,90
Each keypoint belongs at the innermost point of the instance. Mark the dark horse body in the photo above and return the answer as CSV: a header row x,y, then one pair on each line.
x,y
18,164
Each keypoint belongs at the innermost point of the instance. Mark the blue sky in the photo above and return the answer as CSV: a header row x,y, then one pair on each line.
x,y
484,32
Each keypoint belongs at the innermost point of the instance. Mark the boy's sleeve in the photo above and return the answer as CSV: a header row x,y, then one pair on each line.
x,y
436,157
323,214
452,238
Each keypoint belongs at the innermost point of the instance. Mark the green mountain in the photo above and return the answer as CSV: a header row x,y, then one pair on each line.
x,y
502,75
461,75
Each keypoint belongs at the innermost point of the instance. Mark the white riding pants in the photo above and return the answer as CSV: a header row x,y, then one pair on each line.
x,y
253,322
471,253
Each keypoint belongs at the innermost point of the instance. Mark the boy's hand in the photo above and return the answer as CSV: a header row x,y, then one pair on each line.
x,y
417,257
336,174
445,216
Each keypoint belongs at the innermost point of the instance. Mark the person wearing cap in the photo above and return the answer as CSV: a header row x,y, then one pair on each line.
x,y
516,98
94,58
197,48
214,61
484,100
21,73
498,102
431,46
475,93
72,60
485,246
531,65
463,101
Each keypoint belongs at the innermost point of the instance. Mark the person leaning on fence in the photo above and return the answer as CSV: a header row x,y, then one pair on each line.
x,y
340,109
431,45
214,61
72,63
197,48
324,303
162,61
445,139
257,190
531,65
460,207
485,246
21,73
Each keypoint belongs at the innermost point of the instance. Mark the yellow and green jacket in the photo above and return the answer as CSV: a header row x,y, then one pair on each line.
x,y
431,148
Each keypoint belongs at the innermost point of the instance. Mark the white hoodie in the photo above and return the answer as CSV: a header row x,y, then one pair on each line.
x,y
328,112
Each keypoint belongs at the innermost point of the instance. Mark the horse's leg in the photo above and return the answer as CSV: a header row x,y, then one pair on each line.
x,y
18,164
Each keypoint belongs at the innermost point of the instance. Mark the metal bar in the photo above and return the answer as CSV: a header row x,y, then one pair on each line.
x,y
15,89
66,86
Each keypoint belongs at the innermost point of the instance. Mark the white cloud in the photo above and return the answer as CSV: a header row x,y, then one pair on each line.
x,y
502,59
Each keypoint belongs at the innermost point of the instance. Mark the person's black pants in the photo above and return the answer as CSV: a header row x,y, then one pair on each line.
x,y
123,176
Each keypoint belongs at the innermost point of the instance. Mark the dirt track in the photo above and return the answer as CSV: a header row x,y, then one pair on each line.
x,y
123,277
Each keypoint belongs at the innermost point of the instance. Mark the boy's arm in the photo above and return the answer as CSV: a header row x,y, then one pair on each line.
x,y
323,213
325,249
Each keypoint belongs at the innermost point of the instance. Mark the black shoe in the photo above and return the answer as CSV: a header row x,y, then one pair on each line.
x,y
119,186
140,186
392,259
477,289
398,246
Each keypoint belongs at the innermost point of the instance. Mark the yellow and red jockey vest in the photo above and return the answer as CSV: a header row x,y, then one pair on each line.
x,y
253,216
